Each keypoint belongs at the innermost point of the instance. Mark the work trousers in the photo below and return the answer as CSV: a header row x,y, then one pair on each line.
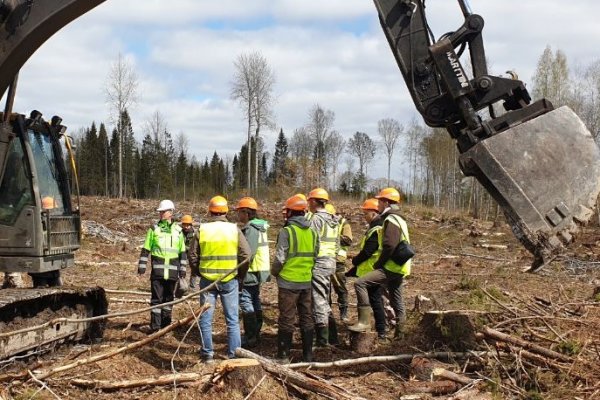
x,y
250,299
321,288
163,291
195,279
385,279
338,283
294,302
376,299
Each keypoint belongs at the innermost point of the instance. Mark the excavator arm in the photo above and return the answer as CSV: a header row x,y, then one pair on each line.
x,y
539,163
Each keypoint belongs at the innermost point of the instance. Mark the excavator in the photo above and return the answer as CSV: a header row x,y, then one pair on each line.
x,y
539,163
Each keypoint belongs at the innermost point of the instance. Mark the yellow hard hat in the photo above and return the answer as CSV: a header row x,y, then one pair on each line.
x,y
319,193
330,208
389,194
218,205
187,219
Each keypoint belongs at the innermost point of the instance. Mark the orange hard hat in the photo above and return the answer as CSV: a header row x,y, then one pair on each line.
x,y
218,205
296,203
371,204
247,202
48,203
187,219
389,194
319,193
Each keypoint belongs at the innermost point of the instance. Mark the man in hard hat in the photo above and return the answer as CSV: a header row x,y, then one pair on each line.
x,y
363,262
255,231
220,253
326,227
385,272
295,254
187,226
165,249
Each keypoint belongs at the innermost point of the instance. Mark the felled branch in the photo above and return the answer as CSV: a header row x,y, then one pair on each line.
x,y
134,383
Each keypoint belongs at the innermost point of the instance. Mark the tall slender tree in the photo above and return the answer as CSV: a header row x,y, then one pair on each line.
x,y
390,130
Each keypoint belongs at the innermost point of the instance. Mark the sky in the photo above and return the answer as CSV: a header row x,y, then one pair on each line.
x,y
327,52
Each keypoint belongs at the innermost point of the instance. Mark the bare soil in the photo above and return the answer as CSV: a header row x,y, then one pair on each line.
x,y
557,308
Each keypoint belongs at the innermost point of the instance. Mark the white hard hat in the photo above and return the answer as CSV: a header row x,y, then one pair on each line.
x,y
165,205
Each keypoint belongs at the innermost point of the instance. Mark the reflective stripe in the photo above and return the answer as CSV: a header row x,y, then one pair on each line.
x,y
300,259
168,267
218,249
156,310
143,259
391,265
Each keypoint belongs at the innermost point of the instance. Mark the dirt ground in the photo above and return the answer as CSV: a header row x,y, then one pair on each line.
x,y
461,264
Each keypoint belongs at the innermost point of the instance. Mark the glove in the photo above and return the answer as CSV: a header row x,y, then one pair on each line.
x,y
182,273
141,269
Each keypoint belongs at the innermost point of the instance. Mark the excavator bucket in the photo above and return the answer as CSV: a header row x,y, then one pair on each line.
x,y
545,173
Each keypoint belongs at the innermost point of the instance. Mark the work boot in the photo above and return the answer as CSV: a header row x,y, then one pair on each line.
x,y
364,320
155,321
284,344
307,345
250,330
165,319
344,313
333,332
399,331
322,333
259,324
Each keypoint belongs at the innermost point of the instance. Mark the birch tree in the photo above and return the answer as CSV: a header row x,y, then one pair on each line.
x,y
390,130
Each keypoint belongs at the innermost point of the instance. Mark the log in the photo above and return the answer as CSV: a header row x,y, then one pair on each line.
x,y
422,368
362,342
288,375
434,388
163,380
451,376
496,335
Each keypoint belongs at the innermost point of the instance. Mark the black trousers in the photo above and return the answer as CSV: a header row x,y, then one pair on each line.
x,y
163,291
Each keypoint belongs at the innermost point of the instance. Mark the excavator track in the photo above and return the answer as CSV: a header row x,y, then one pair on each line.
x,y
25,308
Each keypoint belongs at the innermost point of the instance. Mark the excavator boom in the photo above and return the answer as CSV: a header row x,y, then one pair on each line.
x,y
540,164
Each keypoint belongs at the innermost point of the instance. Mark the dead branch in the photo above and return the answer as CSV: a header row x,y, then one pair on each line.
x,y
384,359
133,292
496,335
162,380
287,374
434,388
451,376
125,300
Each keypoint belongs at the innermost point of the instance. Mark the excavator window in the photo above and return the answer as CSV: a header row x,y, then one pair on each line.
x,y
15,189
46,166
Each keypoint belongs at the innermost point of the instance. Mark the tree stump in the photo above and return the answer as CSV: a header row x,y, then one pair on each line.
x,y
362,342
241,374
455,329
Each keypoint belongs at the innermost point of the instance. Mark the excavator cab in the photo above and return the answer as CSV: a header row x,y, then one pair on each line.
x,y
39,226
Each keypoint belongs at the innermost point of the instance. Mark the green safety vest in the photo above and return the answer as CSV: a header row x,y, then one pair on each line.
x,y
367,265
390,265
165,249
218,250
261,261
300,259
342,253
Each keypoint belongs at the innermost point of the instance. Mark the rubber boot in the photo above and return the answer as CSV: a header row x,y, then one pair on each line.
x,y
333,332
165,318
344,313
364,320
259,324
322,333
250,330
155,320
399,331
284,344
307,345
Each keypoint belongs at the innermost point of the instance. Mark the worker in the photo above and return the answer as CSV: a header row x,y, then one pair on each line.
x,y
187,226
165,248
338,280
220,253
295,254
255,231
385,272
363,262
326,227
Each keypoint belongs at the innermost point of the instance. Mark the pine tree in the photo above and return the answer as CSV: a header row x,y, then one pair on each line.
x,y
280,158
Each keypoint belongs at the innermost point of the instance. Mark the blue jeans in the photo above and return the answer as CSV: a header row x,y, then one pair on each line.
x,y
230,301
250,299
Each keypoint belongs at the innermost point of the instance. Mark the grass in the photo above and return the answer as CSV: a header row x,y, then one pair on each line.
x,y
569,347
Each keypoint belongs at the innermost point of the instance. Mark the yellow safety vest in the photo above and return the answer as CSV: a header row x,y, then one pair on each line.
x,y
328,238
391,265
165,249
300,259
218,250
261,261
367,266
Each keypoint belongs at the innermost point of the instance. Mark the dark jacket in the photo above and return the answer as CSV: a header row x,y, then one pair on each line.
x,y
392,235
243,250
251,231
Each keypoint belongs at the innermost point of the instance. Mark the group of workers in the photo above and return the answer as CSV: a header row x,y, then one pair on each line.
x,y
310,256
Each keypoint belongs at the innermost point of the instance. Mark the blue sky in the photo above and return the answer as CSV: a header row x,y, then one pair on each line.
x,y
330,52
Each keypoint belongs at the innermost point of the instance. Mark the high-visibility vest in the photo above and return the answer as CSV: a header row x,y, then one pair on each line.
x,y
261,261
165,249
218,250
328,239
342,253
300,259
367,265
391,265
